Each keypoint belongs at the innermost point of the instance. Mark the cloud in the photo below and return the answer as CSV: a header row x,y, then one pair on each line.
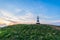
x,y
55,21
45,16
52,22
2,21
8,16
17,10
27,18
43,21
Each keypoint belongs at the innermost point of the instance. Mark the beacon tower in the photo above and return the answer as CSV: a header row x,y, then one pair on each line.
x,y
38,22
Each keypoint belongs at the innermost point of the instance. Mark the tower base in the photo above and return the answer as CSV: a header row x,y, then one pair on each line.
x,y
37,23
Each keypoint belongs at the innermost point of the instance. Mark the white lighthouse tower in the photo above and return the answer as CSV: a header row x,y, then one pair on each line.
x,y
38,22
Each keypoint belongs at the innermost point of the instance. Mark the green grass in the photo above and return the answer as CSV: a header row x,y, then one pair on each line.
x,y
29,32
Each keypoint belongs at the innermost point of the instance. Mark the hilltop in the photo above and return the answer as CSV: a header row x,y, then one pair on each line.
x,y
29,32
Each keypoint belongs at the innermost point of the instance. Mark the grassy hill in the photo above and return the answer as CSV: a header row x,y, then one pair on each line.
x,y
29,32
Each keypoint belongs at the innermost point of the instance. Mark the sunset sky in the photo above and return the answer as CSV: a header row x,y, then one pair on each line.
x,y
25,11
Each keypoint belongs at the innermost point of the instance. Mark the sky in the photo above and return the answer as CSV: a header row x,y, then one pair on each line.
x,y
26,11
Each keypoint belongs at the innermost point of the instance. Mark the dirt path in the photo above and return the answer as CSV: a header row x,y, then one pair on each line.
x,y
55,27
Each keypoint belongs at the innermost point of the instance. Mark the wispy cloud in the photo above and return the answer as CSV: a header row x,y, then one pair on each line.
x,y
7,15
55,21
17,10
27,18
45,16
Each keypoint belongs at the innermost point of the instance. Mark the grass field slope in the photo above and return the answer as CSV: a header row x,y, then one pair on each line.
x,y
29,32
